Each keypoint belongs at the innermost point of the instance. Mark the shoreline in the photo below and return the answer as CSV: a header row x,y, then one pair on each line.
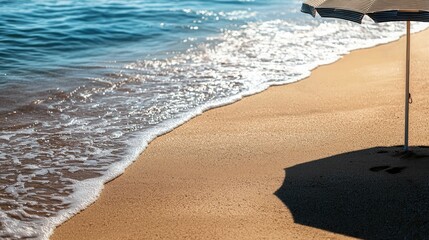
x,y
155,158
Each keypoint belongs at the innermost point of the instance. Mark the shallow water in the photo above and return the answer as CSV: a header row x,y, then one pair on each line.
x,y
85,85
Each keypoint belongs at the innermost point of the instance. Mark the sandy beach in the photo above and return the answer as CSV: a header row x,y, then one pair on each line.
x,y
309,160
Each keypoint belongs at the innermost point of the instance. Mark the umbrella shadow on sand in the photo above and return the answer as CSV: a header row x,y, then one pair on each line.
x,y
374,193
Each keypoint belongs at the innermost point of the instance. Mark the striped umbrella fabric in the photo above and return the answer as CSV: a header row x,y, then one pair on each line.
x,y
379,11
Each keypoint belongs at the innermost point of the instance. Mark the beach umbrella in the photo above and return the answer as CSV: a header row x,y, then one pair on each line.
x,y
379,11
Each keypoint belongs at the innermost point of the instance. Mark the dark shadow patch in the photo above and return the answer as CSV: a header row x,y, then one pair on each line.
x,y
378,168
339,194
382,151
395,170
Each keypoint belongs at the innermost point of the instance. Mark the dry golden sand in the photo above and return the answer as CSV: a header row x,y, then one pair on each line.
x,y
217,176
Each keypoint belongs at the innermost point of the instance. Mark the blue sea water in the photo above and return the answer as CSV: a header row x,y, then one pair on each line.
x,y
86,85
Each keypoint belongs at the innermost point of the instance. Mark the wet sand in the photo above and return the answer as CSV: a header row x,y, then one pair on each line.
x,y
298,161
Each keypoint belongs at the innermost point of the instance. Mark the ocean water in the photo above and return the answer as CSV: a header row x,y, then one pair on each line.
x,y
86,85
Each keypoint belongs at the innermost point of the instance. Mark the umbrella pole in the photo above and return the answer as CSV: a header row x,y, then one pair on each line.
x,y
407,88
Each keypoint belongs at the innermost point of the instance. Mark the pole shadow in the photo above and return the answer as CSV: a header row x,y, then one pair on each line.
x,y
375,193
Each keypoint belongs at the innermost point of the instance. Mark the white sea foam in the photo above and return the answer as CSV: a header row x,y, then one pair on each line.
x,y
99,129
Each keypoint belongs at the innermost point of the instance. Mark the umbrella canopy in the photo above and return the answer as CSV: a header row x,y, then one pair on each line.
x,y
379,11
